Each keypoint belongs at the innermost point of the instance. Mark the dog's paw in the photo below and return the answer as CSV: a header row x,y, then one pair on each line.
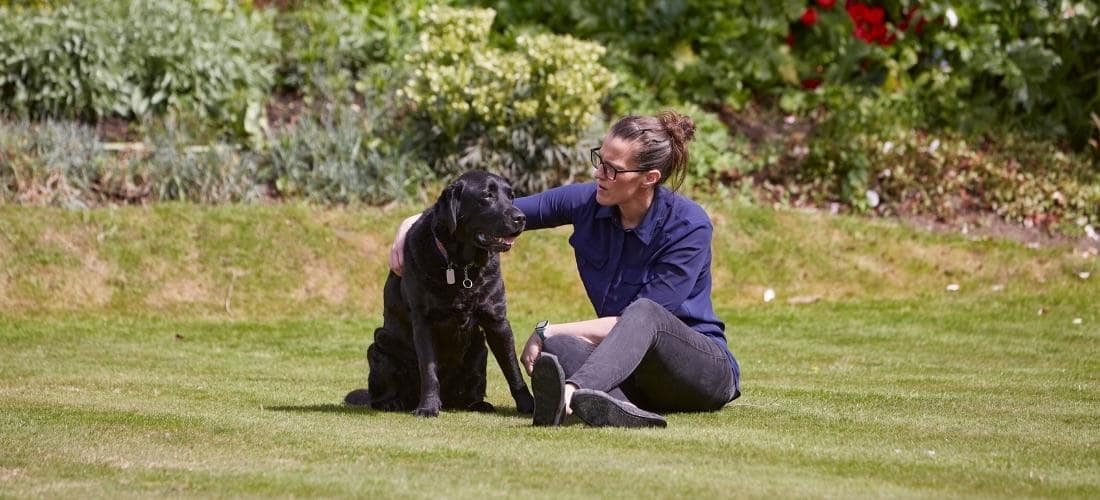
x,y
358,397
482,407
524,402
427,412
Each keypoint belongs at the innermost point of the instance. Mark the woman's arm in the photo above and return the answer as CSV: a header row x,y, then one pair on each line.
x,y
592,330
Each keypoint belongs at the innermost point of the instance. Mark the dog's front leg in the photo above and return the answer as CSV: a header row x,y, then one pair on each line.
x,y
429,371
498,334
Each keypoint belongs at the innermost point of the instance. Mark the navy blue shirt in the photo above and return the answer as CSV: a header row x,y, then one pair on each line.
x,y
666,258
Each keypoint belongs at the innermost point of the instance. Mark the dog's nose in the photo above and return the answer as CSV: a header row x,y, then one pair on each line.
x,y
520,220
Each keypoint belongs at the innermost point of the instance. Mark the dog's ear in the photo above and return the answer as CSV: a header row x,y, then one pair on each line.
x,y
448,206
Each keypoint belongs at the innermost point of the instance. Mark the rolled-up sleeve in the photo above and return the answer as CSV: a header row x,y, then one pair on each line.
x,y
555,207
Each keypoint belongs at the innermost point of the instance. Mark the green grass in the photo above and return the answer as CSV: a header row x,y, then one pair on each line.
x,y
195,351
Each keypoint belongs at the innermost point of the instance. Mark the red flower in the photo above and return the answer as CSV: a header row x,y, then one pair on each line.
x,y
809,16
811,83
826,4
790,39
870,23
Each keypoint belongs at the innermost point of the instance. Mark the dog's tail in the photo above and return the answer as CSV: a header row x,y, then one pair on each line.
x,y
358,397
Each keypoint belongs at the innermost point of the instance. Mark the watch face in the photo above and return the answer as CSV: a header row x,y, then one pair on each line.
x,y
542,324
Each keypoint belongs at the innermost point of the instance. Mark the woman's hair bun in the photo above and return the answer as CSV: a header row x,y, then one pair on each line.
x,y
680,127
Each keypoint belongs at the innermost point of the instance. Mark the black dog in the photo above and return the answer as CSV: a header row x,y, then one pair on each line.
x,y
430,351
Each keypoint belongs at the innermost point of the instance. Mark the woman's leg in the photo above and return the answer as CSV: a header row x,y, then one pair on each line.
x,y
658,362
572,352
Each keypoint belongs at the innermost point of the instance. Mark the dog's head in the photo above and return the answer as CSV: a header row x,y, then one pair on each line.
x,y
477,208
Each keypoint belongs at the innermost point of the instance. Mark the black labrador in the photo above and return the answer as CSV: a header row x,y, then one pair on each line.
x,y
430,351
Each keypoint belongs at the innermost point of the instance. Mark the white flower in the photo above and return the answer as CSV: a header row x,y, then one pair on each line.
x,y
769,295
952,17
887,147
953,287
934,146
1077,321
1084,275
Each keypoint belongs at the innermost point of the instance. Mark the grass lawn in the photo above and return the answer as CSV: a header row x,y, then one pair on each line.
x,y
196,351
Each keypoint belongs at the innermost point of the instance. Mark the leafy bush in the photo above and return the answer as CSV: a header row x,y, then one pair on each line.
x,y
327,48
521,112
129,58
685,50
62,163
43,163
1023,181
341,155
1027,66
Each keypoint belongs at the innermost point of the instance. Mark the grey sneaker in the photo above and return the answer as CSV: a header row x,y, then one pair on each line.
x,y
599,409
548,386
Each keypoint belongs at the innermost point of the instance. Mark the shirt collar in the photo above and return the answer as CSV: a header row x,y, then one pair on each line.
x,y
653,220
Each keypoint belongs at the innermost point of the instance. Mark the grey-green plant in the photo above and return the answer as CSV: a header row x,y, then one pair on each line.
x,y
95,59
342,154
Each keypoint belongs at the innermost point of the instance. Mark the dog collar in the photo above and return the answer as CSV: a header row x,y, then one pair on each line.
x,y
450,272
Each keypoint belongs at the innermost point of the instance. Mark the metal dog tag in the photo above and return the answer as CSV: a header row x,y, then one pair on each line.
x,y
450,276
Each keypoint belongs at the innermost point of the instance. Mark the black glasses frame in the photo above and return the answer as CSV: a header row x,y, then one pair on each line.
x,y
610,171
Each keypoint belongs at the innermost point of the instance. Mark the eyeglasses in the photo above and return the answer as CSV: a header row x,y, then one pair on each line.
x,y
608,170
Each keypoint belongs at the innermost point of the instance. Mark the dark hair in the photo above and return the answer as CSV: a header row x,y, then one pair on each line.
x,y
662,142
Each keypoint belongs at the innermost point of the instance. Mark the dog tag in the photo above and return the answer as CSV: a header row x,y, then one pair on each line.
x,y
450,276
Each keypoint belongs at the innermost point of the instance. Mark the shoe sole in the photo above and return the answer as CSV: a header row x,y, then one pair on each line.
x,y
548,388
599,409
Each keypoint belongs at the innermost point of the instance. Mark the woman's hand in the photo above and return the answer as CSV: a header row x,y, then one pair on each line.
x,y
530,353
397,251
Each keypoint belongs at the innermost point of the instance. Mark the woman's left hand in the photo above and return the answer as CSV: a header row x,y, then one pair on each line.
x,y
530,353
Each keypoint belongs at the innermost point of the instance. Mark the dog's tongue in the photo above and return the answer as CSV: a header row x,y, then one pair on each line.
x,y
507,240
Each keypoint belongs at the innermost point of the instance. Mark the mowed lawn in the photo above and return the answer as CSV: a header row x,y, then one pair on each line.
x,y
194,351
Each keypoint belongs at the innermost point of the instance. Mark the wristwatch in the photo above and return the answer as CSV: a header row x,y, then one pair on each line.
x,y
540,329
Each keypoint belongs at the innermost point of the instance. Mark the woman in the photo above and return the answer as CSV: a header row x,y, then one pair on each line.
x,y
644,257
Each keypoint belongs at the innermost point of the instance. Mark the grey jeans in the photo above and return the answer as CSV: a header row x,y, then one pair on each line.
x,y
652,359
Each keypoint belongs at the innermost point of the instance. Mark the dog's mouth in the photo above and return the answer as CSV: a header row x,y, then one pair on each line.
x,y
497,243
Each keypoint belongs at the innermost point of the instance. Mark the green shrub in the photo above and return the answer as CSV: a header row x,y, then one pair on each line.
x,y
129,58
327,48
520,112
684,50
342,154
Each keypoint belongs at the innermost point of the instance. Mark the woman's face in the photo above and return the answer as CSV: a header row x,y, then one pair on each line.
x,y
627,186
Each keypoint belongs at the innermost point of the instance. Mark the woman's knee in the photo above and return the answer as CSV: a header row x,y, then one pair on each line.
x,y
644,308
565,345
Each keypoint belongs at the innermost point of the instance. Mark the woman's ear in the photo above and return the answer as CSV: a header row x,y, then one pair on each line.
x,y
652,177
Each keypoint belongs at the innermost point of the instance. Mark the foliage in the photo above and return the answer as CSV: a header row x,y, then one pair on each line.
x,y
685,51
128,58
342,154
328,47
42,163
1025,65
519,111
62,163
